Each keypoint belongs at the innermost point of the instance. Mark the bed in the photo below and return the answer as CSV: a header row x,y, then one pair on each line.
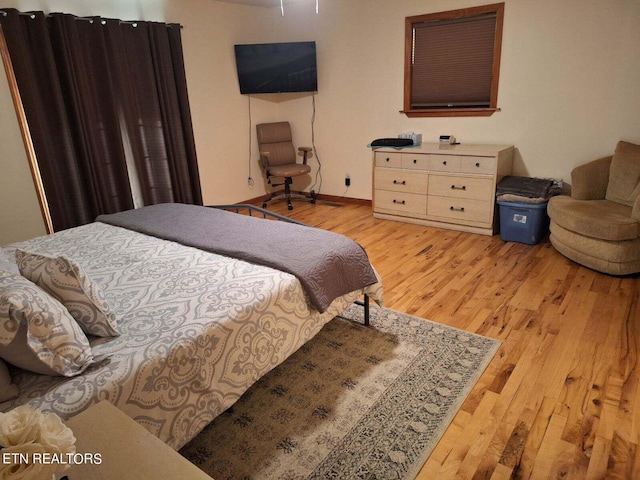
x,y
185,330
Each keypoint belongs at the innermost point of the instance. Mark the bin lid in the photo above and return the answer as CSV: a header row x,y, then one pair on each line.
x,y
526,205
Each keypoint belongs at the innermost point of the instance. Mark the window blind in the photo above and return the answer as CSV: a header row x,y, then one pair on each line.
x,y
452,62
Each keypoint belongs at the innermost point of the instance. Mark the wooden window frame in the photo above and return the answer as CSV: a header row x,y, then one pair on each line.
x,y
498,10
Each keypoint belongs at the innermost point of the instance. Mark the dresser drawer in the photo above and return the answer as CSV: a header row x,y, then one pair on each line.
x,y
400,202
461,187
415,161
459,210
481,165
444,163
401,180
387,159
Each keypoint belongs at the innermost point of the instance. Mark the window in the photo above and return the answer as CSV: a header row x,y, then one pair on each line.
x,y
452,62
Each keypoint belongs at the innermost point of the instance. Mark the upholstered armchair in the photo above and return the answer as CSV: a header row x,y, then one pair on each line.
x,y
598,226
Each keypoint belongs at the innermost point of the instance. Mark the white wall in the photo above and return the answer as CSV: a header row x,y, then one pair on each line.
x,y
220,114
20,215
568,90
568,83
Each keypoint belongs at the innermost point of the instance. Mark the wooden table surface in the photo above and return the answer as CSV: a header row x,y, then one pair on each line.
x,y
127,450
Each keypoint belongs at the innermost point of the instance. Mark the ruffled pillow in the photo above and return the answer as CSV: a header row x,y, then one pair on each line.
x,y
64,279
37,333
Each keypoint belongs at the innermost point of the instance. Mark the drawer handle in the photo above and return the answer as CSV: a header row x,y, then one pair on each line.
x,y
388,159
477,164
454,187
415,161
401,202
444,162
461,209
399,182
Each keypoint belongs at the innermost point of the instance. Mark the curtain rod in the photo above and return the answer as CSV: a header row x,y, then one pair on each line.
x,y
89,19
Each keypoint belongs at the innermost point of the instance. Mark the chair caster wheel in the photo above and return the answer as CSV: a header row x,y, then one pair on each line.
x,y
264,205
313,200
290,207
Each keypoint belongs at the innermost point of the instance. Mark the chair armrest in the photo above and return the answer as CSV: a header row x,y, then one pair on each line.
x,y
306,153
589,181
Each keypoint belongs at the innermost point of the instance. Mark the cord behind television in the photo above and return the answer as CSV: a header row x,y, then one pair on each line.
x,y
313,145
250,178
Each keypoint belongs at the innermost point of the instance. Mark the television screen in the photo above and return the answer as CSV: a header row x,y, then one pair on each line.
x,y
277,67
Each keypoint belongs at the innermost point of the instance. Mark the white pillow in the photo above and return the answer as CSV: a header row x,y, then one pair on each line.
x,y
37,333
7,389
64,279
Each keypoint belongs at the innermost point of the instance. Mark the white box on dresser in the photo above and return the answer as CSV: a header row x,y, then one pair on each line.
x,y
448,186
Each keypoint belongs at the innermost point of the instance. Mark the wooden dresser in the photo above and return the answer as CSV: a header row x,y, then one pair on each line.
x,y
448,186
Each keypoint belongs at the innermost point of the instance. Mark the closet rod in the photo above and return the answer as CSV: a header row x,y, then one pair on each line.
x,y
89,19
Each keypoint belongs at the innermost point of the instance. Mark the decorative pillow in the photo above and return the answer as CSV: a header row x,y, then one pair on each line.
x,y
624,174
6,265
7,389
37,333
64,279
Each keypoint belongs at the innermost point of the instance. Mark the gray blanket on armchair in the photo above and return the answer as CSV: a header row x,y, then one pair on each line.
x,y
327,264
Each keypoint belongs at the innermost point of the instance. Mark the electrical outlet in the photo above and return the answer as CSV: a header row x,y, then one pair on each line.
x,y
347,181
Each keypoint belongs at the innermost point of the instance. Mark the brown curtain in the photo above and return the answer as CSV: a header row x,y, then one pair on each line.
x,y
69,117
159,119
83,99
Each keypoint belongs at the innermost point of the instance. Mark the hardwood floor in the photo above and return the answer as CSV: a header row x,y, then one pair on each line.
x,y
561,398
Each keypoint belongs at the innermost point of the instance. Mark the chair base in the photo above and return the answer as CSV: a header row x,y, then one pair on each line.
x,y
612,258
311,197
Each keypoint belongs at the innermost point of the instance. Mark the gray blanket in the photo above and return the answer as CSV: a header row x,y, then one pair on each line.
x,y
328,265
524,186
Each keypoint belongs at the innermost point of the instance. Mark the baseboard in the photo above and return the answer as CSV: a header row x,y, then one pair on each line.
x,y
321,196
337,199
259,200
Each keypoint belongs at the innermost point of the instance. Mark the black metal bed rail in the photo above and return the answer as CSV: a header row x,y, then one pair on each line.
x,y
252,210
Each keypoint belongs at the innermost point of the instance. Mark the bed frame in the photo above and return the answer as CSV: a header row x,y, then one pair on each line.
x,y
252,210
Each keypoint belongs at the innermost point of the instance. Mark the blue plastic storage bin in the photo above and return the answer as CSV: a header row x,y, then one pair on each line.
x,y
523,222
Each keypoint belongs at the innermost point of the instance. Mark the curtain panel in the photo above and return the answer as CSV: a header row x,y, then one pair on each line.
x,y
160,117
93,90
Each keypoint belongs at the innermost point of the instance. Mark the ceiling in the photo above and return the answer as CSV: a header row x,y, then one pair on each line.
x,y
259,3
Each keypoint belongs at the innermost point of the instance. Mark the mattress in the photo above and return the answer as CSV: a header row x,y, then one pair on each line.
x,y
197,329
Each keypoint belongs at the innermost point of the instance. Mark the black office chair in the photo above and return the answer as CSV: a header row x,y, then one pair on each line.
x,y
278,160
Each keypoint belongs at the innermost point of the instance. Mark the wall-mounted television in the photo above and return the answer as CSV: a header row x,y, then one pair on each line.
x,y
277,67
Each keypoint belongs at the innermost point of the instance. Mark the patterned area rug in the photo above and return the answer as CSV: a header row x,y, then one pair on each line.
x,y
354,402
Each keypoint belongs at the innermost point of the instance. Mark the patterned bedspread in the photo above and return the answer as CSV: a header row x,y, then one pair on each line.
x,y
198,329
327,264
